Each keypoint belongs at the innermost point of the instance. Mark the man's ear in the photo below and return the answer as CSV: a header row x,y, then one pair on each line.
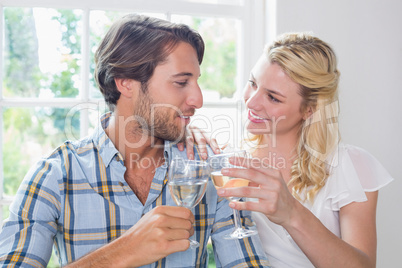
x,y
126,87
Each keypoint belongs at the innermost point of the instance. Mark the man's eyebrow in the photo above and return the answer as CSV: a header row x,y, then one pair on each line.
x,y
182,74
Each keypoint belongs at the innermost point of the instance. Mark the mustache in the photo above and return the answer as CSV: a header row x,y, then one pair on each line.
x,y
188,112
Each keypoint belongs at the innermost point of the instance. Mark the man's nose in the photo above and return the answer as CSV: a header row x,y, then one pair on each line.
x,y
195,98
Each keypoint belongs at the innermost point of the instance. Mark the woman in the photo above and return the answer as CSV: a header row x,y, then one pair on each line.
x,y
316,197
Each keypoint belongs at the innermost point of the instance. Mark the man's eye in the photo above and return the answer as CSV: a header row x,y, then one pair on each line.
x,y
182,84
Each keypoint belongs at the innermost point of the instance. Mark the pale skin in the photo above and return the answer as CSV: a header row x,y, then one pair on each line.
x,y
165,229
269,95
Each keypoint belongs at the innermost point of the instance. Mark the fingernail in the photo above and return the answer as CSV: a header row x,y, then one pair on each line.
x,y
232,205
191,157
221,191
225,171
204,155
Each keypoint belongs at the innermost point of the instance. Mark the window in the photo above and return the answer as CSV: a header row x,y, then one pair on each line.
x,y
47,90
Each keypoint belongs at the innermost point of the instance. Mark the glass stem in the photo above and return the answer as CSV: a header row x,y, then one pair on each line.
x,y
236,218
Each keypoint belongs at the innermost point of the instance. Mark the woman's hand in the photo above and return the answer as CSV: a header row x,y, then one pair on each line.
x,y
358,243
199,137
266,184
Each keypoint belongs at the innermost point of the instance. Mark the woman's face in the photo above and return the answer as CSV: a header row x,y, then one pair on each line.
x,y
272,100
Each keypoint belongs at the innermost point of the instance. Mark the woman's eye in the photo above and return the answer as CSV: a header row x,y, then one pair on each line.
x,y
272,98
252,83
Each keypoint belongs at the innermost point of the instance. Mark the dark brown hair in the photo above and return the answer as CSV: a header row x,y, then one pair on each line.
x,y
134,46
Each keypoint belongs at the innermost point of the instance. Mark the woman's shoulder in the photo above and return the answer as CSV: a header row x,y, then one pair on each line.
x,y
354,171
355,151
354,160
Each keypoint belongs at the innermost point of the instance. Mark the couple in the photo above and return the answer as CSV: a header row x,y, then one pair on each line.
x,y
102,207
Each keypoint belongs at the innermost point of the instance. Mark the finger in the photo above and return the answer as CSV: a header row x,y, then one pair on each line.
x,y
180,146
253,184
251,163
203,152
201,140
176,234
256,164
177,245
248,205
176,212
246,192
224,147
176,223
190,147
255,176
214,146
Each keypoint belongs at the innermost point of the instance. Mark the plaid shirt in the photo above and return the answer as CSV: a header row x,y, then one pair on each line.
x,y
78,200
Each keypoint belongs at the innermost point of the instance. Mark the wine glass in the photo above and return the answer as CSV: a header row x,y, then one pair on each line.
x,y
188,181
216,163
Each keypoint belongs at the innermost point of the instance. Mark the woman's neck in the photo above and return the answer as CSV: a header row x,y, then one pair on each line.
x,y
279,152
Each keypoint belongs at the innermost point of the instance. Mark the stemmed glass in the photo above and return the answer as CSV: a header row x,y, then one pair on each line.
x,y
188,181
216,163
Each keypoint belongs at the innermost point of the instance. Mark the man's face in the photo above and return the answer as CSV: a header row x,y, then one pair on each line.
x,y
172,95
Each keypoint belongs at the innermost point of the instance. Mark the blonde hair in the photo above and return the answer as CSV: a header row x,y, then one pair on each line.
x,y
312,64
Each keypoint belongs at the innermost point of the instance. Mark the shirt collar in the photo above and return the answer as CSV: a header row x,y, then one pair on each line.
x,y
106,149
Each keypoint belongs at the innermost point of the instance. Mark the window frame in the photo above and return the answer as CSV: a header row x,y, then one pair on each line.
x,y
252,15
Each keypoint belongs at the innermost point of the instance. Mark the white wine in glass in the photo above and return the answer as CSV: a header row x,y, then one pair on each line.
x,y
188,180
216,163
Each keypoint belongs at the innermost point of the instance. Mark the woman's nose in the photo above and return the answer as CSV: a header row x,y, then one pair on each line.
x,y
253,99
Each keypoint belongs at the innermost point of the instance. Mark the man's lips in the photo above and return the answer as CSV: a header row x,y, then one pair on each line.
x,y
185,118
255,118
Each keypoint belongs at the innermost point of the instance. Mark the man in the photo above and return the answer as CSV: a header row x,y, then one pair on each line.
x,y
103,199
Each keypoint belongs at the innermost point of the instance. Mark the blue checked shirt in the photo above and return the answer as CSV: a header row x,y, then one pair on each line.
x,y
77,200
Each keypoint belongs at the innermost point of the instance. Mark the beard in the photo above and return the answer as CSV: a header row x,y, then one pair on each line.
x,y
158,120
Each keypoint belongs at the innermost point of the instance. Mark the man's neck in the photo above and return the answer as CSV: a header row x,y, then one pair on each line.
x,y
142,154
131,141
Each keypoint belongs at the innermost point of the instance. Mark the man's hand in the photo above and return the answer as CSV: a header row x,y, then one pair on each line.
x,y
162,231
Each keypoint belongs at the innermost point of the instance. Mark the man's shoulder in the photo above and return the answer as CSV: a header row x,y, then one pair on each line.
x,y
59,162
71,147
61,157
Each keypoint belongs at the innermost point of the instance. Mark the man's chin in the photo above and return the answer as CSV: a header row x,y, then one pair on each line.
x,y
172,138
177,139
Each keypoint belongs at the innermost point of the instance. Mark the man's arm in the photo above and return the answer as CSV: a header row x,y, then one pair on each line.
x,y
26,238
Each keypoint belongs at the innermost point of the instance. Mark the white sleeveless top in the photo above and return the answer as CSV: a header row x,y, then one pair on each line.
x,y
354,172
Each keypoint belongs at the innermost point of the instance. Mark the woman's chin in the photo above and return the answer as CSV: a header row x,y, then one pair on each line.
x,y
258,131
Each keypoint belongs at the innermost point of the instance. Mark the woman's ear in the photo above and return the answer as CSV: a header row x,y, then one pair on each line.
x,y
307,113
126,87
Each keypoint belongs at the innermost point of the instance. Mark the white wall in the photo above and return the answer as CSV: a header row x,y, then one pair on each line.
x,y
367,37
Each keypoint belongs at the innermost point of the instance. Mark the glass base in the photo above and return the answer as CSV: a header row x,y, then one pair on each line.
x,y
240,234
194,244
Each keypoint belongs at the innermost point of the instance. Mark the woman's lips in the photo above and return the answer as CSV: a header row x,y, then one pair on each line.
x,y
255,118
